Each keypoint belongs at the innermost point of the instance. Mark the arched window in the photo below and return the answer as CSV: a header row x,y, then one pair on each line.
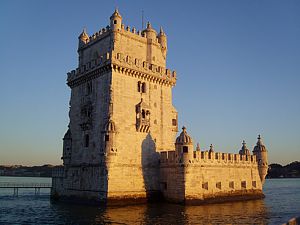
x,y
115,21
143,87
139,86
86,140
143,114
89,88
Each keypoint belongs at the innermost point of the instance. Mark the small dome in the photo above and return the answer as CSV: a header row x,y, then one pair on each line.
x,y
184,138
149,28
244,150
260,147
116,14
110,126
84,36
161,32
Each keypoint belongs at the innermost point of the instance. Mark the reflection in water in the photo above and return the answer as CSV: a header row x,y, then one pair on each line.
x,y
246,212
280,205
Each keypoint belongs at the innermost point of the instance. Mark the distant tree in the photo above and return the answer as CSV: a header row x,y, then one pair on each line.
x,y
289,171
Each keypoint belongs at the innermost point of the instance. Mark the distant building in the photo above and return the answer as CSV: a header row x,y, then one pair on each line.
x,y
120,141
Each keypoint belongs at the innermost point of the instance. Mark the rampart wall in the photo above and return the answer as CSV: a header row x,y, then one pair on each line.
x,y
208,176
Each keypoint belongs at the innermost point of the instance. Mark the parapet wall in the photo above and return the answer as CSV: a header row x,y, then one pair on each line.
x,y
103,60
155,71
133,33
209,177
169,157
127,63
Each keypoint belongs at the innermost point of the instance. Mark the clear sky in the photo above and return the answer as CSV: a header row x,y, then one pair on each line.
x,y
238,66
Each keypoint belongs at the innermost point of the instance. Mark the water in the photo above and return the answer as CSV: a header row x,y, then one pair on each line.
x,y
282,202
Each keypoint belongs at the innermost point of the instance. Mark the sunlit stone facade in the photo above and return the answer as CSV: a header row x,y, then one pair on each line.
x,y
120,144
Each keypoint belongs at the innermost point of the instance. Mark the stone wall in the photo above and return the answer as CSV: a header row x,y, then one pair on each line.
x,y
209,176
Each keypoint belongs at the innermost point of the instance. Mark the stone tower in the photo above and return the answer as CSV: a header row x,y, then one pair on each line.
x,y
119,146
121,114
262,158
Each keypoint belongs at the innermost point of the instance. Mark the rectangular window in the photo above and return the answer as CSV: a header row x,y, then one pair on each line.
x,y
231,184
243,184
106,137
254,184
185,149
218,185
143,87
205,185
174,122
87,140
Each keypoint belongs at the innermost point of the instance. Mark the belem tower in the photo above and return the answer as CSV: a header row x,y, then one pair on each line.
x,y
121,143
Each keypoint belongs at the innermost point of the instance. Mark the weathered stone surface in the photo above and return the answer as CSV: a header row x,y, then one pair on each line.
x,y
120,143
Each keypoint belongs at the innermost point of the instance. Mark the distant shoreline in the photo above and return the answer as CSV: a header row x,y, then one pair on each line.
x,y
276,171
27,171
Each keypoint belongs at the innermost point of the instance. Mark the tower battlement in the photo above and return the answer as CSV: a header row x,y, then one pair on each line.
x,y
125,63
209,158
133,32
146,45
139,35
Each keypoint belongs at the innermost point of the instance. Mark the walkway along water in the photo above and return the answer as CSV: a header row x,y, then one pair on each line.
x,y
16,186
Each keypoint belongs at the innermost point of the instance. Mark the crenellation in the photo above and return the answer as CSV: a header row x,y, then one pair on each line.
x,y
205,157
97,36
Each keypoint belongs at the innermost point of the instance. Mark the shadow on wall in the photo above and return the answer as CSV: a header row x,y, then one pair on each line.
x,y
150,168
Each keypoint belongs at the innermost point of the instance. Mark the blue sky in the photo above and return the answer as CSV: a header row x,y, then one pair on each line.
x,y
238,66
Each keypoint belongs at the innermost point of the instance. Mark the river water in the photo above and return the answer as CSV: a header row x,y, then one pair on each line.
x,y
282,202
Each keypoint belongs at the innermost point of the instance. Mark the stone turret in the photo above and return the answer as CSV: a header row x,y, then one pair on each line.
x,y
67,148
116,20
150,33
162,39
110,141
244,150
184,147
83,39
262,158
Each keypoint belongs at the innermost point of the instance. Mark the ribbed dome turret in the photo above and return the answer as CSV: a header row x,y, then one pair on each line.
x,y
244,150
150,32
84,36
116,14
184,138
260,147
116,21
